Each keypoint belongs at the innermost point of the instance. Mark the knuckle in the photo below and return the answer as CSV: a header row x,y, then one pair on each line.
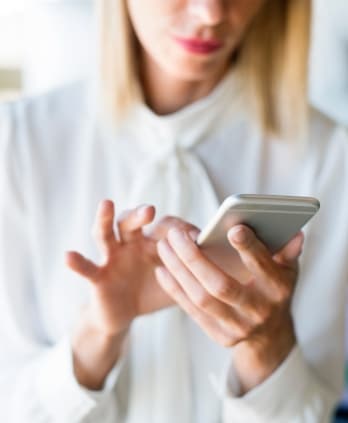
x,y
227,341
258,317
282,294
221,288
243,332
202,301
265,314
238,296
261,315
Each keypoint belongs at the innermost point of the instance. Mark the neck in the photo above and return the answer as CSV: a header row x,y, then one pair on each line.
x,y
165,94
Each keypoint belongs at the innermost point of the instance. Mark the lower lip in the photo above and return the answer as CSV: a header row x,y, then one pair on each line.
x,y
198,48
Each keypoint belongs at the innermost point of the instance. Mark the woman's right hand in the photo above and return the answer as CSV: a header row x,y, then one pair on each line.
x,y
123,285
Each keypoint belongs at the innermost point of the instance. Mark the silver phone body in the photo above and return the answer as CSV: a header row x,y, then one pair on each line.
x,y
275,220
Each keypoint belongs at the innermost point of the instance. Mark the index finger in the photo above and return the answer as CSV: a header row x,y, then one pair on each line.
x,y
162,228
103,230
212,278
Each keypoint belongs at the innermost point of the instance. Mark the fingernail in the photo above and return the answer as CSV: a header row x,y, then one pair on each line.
x,y
237,235
105,206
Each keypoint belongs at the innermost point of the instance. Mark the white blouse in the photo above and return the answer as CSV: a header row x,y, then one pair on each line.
x,y
57,163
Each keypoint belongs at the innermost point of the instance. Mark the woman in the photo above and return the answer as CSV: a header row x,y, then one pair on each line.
x,y
199,99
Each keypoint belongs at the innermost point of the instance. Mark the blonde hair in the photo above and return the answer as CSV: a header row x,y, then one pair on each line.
x,y
272,62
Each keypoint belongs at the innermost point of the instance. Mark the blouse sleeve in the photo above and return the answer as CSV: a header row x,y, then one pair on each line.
x,y
37,382
307,386
294,393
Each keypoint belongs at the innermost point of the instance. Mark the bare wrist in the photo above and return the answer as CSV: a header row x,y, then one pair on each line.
x,y
257,359
95,353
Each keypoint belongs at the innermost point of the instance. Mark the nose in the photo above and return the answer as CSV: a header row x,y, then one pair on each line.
x,y
208,12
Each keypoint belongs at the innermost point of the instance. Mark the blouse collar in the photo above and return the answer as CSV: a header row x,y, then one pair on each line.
x,y
189,125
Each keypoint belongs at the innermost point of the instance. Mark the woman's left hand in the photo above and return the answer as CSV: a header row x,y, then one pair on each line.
x,y
255,318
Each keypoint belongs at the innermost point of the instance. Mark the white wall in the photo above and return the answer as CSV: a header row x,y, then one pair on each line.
x,y
60,44
329,64
51,41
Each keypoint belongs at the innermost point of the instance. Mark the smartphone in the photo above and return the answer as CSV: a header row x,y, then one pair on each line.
x,y
275,219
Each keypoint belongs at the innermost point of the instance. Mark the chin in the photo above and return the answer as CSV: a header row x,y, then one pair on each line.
x,y
192,71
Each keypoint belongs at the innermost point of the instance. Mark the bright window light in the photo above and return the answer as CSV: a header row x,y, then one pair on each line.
x,y
9,7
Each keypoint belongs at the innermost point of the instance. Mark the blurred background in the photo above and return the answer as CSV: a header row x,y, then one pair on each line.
x,y
44,44
47,43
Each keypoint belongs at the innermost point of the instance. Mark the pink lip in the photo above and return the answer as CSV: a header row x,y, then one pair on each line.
x,y
199,46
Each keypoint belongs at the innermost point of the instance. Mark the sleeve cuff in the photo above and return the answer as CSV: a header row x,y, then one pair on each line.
x,y
59,390
278,398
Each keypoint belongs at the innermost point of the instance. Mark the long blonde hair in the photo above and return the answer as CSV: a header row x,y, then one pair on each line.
x,y
272,62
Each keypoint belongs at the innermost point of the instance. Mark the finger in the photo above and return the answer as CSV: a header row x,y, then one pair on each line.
x,y
209,275
79,264
289,254
275,281
245,299
131,222
254,255
164,225
211,327
103,229
198,295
